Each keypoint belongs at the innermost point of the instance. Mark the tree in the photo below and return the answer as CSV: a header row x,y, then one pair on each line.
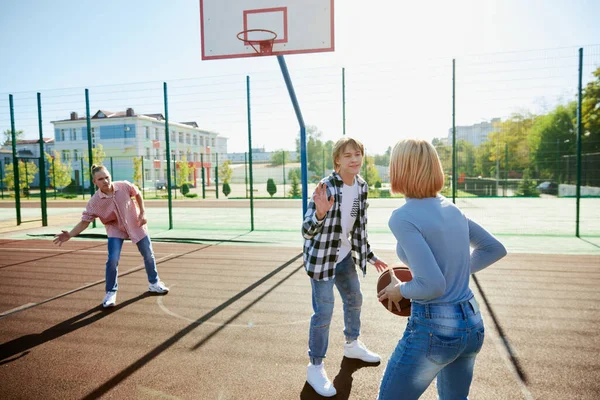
x,y
511,135
444,153
183,172
98,155
271,187
225,171
590,115
59,173
384,160
277,157
8,136
552,136
369,171
295,188
26,175
318,154
226,189
137,171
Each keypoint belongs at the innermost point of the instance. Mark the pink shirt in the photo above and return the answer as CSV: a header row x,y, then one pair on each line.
x,y
118,212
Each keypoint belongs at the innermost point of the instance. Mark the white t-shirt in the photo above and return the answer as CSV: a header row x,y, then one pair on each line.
x,y
349,210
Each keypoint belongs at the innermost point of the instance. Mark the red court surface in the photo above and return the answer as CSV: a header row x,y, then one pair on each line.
x,y
235,326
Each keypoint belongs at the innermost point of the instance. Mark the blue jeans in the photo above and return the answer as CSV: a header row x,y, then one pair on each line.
x,y
440,340
114,254
346,280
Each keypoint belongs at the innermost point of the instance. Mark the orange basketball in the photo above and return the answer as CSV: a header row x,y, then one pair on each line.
x,y
404,275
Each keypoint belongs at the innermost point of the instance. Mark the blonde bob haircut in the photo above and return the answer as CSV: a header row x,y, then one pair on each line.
x,y
415,169
340,146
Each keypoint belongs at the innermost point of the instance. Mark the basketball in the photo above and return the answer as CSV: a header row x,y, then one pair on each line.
x,y
404,275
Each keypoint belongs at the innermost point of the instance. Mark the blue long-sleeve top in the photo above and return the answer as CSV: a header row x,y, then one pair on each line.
x,y
434,239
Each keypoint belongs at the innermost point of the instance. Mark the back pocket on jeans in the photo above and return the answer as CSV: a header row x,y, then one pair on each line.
x,y
443,350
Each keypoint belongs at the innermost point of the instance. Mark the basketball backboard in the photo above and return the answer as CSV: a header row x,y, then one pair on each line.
x,y
236,28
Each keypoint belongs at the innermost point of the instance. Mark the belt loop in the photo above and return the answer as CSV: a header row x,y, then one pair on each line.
x,y
427,314
464,311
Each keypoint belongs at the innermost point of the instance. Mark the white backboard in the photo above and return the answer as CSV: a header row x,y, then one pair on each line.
x,y
302,26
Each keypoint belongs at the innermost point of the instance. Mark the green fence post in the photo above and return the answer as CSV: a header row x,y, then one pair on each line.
x,y
170,200
88,122
246,173
111,168
202,169
42,168
250,153
16,184
143,190
579,132
217,175
454,180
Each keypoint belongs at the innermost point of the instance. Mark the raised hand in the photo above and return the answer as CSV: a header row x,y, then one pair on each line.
x,y
322,203
391,292
380,265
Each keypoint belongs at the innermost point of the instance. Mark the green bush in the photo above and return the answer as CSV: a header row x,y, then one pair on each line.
x,y
191,195
185,189
378,185
527,187
271,187
226,189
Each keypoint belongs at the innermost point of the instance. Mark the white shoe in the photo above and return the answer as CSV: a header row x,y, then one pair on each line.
x,y
110,299
317,378
158,287
356,349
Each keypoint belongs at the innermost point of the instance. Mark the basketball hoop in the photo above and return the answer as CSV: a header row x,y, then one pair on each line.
x,y
265,45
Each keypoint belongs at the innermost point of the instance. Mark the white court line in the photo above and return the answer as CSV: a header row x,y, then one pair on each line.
x,y
159,300
30,305
65,250
14,310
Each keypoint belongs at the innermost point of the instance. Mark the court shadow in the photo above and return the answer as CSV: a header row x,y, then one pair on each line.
x,y
342,382
18,348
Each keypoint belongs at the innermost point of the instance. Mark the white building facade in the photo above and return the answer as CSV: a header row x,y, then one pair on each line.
x,y
126,135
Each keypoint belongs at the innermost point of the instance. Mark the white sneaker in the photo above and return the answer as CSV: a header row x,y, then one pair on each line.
x,y
317,378
356,349
158,287
110,299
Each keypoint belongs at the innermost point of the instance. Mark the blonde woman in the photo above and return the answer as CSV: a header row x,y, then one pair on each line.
x,y
445,331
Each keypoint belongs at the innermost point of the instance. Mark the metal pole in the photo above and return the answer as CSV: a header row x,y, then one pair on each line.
x,y
90,151
42,165
579,132
169,197
111,168
54,178
344,101
217,175
303,162
17,186
246,173
250,153
454,180
202,169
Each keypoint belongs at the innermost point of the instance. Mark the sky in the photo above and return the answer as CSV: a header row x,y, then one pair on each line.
x,y
510,55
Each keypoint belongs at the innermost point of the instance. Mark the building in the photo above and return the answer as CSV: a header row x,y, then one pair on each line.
x,y
27,151
474,134
127,135
259,155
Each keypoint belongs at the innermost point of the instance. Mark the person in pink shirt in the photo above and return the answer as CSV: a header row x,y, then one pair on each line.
x,y
114,205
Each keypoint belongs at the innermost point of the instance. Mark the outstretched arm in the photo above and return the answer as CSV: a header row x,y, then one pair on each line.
x,y
64,236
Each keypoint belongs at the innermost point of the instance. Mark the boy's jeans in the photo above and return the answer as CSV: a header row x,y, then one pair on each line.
x,y
440,340
346,280
114,254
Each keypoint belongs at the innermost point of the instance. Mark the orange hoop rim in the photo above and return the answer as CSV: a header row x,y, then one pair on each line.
x,y
266,45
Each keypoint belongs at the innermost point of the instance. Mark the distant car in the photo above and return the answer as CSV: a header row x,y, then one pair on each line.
x,y
548,187
161,185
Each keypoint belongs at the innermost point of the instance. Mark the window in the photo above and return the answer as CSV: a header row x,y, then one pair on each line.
x,y
201,140
73,134
66,156
195,157
156,134
146,174
157,154
75,155
157,174
181,155
188,138
195,140
147,129
180,137
62,135
148,153
172,136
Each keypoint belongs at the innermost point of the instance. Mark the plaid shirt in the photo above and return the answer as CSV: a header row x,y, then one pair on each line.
x,y
323,238
118,212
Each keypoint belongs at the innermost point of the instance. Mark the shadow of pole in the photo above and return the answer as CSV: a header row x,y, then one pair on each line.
x,y
124,374
28,342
